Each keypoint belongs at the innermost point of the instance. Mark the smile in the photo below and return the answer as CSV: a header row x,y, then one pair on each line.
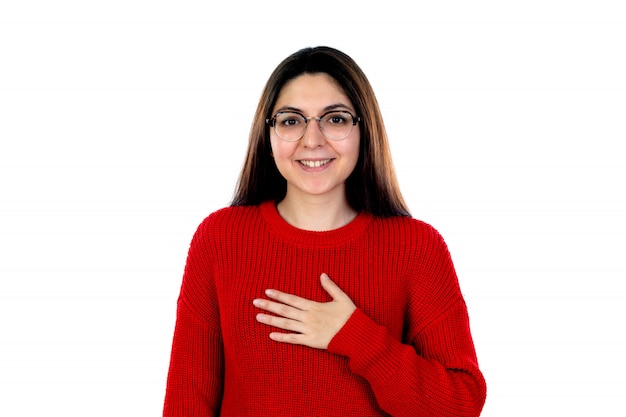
x,y
314,164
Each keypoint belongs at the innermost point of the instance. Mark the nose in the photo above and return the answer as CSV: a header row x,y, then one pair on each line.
x,y
313,136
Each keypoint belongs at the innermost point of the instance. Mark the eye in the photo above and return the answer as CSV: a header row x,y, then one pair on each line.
x,y
337,118
288,119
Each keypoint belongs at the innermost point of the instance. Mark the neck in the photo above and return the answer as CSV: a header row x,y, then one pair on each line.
x,y
316,214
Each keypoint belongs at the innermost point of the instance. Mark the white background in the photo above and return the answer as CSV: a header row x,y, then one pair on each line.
x,y
124,123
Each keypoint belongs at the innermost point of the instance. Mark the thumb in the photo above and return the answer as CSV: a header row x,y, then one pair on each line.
x,y
331,288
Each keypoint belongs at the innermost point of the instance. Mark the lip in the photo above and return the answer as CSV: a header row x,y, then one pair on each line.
x,y
316,164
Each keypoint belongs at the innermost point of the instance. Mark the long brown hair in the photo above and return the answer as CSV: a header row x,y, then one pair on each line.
x,y
372,186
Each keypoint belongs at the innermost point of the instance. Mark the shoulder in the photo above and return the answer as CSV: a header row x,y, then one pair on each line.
x,y
227,221
229,217
410,230
433,285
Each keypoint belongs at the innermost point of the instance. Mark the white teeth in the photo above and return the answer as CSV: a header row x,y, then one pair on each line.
x,y
314,164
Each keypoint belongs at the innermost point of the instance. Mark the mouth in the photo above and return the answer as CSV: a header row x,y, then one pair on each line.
x,y
314,164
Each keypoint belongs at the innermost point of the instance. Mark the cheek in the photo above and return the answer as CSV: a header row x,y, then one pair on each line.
x,y
280,149
353,149
275,146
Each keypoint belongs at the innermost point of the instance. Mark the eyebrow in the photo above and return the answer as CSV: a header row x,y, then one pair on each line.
x,y
324,110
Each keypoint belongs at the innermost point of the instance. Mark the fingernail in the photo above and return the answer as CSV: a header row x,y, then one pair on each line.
x,y
324,276
269,293
256,302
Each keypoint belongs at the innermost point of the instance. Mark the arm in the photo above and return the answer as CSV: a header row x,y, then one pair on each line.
x,y
196,373
432,371
437,375
195,378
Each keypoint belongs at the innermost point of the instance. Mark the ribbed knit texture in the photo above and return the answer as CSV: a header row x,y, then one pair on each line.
x,y
406,351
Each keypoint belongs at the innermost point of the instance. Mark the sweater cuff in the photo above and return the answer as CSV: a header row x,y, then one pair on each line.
x,y
370,348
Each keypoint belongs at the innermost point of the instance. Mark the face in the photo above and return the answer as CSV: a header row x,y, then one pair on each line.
x,y
314,165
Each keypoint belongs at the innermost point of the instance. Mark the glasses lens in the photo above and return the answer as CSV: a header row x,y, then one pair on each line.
x,y
289,126
336,125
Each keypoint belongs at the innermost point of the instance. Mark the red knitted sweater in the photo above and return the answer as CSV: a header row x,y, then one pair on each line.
x,y
406,351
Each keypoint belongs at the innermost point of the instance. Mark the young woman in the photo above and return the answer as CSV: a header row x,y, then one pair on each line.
x,y
315,293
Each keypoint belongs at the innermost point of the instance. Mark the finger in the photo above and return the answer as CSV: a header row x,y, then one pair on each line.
x,y
279,322
289,299
331,288
278,308
298,339
292,338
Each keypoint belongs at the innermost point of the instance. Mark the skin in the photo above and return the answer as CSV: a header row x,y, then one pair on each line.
x,y
316,196
309,323
315,200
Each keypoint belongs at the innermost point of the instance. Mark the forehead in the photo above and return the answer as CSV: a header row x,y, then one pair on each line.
x,y
311,90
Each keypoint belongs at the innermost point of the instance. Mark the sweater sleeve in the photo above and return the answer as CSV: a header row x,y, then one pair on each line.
x,y
195,378
434,371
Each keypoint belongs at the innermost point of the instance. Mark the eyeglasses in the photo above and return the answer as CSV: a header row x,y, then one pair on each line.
x,y
334,125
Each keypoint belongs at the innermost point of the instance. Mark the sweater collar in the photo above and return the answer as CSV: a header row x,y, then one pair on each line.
x,y
278,226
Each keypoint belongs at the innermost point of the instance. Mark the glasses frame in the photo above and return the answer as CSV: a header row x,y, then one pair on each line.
x,y
272,123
